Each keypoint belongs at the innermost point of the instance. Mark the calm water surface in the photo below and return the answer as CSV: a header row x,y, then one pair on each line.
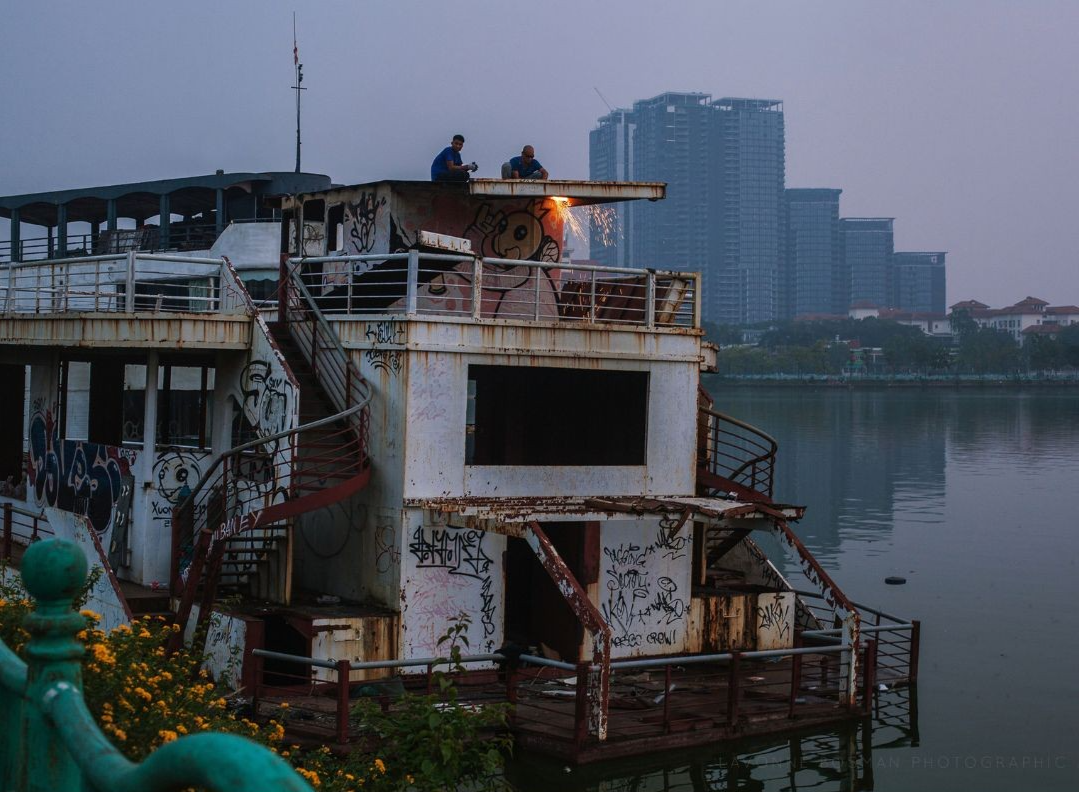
x,y
973,496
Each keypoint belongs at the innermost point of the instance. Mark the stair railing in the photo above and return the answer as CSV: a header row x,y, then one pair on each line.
x,y
735,455
259,483
319,344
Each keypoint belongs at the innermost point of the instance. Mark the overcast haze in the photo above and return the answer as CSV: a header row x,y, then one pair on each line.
x,y
957,118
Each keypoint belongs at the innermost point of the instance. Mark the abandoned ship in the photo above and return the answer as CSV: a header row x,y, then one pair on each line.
x,y
343,420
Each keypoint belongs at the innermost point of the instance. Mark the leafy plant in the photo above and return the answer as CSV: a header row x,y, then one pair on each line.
x,y
436,742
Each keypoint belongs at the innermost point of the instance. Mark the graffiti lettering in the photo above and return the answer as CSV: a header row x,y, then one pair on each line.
x,y
75,475
774,617
638,600
387,332
267,398
459,551
361,219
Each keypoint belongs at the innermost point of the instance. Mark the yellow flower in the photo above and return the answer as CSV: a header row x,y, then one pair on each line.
x,y
310,775
181,728
167,735
89,614
102,654
381,766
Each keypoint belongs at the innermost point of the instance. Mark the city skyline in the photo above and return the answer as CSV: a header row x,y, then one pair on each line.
x,y
936,114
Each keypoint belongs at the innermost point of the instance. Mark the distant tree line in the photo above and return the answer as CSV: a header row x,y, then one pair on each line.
x,y
876,347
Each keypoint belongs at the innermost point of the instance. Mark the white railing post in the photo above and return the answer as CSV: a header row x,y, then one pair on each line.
x,y
477,287
537,271
129,297
11,281
696,320
650,300
592,301
412,282
221,272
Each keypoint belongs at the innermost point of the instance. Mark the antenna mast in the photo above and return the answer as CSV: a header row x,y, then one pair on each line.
x,y
297,87
604,98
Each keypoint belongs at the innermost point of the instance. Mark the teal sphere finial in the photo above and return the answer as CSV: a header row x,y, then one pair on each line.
x,y
54,569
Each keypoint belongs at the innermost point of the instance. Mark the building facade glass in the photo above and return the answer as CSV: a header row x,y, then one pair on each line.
x,y
868,245
919,281
812,281
724,165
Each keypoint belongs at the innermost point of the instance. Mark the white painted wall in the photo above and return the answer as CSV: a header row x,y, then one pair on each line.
x,y
445,572
644,587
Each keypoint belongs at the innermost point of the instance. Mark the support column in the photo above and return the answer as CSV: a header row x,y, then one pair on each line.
x,y
163,222
219,213
15,235
110,216
143,546
61,229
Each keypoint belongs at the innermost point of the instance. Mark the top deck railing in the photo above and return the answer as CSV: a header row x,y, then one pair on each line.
x,y
398,284
466,286
124,283
148,239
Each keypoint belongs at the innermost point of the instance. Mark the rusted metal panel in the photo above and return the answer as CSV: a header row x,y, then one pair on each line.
x,y
500,513
357,638
127,331
718,623
429,239
577,192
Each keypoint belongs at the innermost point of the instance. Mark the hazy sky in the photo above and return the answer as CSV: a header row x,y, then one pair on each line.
x,y
957,117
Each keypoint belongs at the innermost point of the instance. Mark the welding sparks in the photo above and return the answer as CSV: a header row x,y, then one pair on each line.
x,y
600,220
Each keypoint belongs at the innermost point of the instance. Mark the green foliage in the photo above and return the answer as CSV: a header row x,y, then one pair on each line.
x,y
436,742
143,698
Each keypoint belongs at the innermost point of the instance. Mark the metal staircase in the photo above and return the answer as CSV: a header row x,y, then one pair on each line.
x,y
233,532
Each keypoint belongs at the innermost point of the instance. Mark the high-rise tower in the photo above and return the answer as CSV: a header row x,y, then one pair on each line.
x,y
813,280
868,244
746,211
610,158
723,162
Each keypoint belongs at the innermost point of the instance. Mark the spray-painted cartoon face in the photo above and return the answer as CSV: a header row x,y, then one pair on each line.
x,y
517,235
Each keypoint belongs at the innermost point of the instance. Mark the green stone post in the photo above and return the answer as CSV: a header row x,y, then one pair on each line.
x,y
54,572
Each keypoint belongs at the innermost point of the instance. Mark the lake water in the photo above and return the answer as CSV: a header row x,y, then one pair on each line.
x,y
971,495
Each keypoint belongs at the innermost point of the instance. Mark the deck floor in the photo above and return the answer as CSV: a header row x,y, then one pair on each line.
x,y
641,719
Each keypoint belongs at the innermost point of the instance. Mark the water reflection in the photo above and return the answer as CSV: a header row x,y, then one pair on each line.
x,y
838,759
969,494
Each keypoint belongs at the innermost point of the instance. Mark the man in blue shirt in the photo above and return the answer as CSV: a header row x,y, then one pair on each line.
x,y
527,166
447,166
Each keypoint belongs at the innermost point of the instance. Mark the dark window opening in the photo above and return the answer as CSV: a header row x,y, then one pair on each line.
x,y
283,637
553,416
335,219
536,611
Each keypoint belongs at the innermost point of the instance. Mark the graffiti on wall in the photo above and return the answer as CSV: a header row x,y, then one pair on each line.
x,y
385,332
267,398
176,471
74,475
522,231
361,223
643,603
512,233
453,558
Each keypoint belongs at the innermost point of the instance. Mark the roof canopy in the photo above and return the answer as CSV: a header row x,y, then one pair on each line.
x,y
141,200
